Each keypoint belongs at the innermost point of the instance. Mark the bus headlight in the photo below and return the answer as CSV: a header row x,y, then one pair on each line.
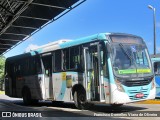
x,y
119,86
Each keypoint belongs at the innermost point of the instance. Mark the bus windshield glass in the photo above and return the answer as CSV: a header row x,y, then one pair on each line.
x,y
130,59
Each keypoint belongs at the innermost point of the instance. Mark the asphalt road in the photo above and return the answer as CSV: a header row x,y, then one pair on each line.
x,y
68,111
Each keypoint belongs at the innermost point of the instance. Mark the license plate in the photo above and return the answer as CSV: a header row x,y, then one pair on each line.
x,y
139,95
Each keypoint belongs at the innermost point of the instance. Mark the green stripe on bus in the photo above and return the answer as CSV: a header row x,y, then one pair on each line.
x,y
127,71
130,71
143,70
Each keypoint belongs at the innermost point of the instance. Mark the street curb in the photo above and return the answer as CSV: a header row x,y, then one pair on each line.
x,y
150,102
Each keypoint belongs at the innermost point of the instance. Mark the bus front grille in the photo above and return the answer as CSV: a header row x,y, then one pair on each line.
x,y
132,94
134,98
132,83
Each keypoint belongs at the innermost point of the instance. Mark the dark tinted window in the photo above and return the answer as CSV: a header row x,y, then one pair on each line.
x,y
74,58
66,59
58,61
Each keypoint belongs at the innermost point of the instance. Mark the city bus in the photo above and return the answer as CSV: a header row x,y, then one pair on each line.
x,y
105,68
156,65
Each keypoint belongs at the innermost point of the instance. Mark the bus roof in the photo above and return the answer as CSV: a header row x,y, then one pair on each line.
x,y
100,36
69,43
60,44
18,57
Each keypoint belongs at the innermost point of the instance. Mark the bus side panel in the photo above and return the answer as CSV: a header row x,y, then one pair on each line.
x,y
63,83
57,84
157,79
19,86
10,80
8,86
41,81
72,78
32,83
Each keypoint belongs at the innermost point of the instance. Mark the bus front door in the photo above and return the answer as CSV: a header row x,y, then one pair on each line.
x,y
47,70
93,78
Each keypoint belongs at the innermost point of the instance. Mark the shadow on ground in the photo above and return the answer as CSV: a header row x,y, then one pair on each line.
x,y
48,109
94,108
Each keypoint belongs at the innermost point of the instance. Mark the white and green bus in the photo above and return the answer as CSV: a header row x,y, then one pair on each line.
x,y
108,68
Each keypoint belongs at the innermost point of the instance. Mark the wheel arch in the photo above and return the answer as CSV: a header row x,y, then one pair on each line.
x,y
24,89
77,87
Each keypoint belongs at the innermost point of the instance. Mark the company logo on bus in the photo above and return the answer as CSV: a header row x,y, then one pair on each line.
x,y
139,95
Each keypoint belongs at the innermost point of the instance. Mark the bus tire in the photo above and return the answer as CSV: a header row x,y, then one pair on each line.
x,y
26,96
57,103
79,99
34,101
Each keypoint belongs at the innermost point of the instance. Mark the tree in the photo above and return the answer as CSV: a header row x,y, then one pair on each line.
x,y
2,65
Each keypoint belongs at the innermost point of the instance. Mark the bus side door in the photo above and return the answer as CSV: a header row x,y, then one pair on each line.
x,y
93,72
47,71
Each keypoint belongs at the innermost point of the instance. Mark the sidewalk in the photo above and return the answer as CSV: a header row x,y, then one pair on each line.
x,y
4,98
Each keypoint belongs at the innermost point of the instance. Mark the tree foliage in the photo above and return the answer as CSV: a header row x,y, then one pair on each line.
x,y
2,65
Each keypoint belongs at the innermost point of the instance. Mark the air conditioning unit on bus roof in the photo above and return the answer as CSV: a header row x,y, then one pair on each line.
x,y
51,44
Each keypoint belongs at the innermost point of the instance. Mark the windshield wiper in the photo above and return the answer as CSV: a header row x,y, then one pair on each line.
x,y
125,51
129,56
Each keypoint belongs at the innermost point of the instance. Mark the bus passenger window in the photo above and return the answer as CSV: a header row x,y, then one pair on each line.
x,y
32,66
66,59
75,58
47,63
38,66
58,61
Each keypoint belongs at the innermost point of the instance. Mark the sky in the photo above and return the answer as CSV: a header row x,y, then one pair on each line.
x,y
100,16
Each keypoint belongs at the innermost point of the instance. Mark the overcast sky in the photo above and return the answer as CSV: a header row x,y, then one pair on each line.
x,y
96,16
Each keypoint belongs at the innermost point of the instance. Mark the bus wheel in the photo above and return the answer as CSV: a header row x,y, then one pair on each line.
x,y
35,101
57,103
79,99
27,97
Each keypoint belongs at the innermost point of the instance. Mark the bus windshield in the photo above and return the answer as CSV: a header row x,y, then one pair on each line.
x,y
130,60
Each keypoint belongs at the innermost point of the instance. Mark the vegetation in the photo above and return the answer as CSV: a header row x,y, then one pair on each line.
x,y
2,65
